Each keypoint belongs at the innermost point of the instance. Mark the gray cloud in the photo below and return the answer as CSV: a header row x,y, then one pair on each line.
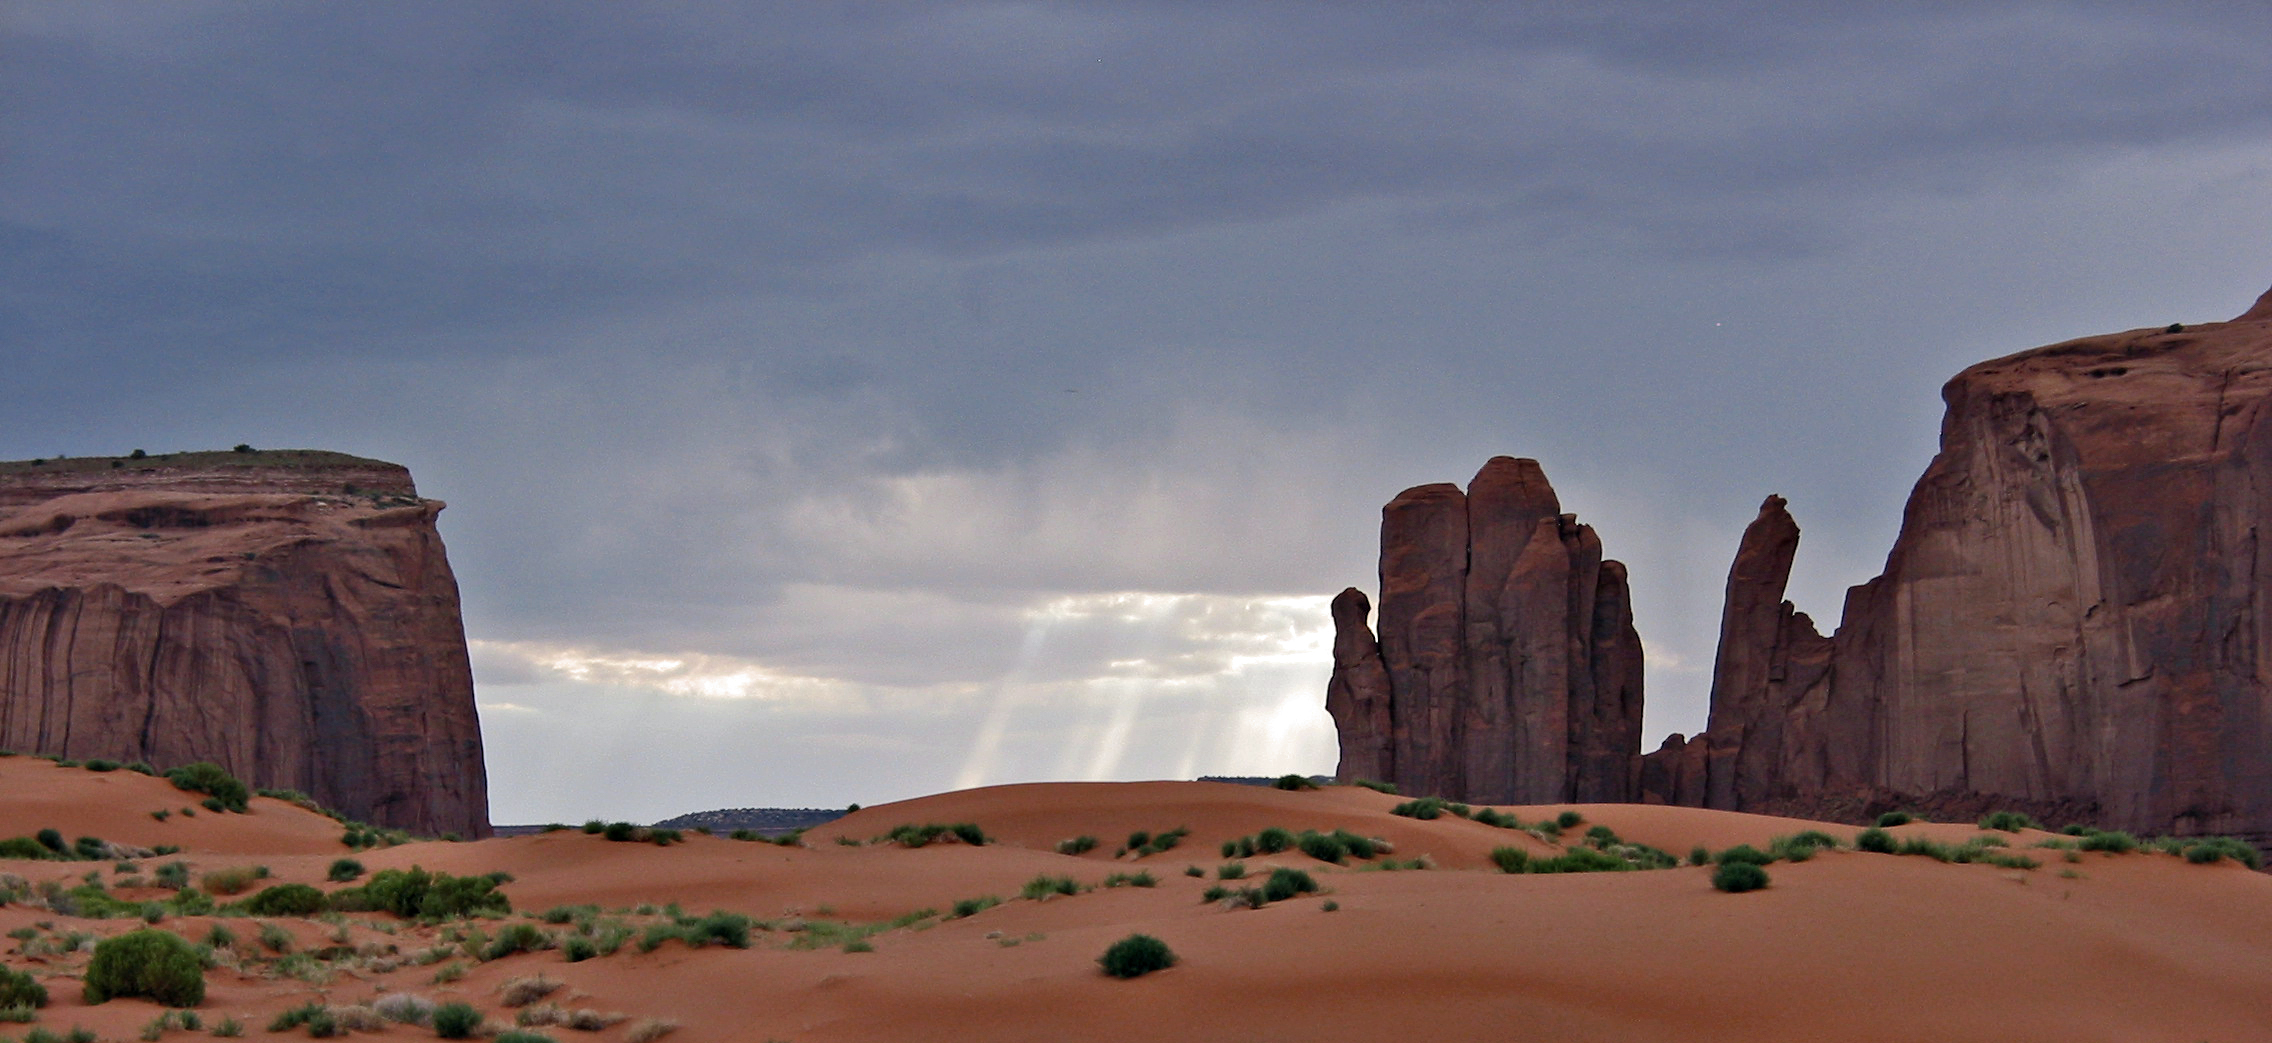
x,y
840,340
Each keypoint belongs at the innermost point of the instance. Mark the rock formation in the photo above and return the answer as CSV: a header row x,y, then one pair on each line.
x,y
288,615
1507,669
2074,619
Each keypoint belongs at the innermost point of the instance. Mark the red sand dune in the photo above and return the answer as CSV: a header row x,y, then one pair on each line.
x,y
1846,946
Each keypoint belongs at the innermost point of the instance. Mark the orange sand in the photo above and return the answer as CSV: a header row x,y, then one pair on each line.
x,y
1847,946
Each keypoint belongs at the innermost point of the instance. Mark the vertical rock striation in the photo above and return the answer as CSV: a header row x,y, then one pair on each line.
x,y
288,615
2074,618
1507,669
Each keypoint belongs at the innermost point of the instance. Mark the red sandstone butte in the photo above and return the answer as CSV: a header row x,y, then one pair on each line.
x,y
289,615
2076,617
1507,670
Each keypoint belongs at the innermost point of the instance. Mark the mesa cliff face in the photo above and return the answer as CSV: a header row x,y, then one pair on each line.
x,y
288,615
2074,618
1506,669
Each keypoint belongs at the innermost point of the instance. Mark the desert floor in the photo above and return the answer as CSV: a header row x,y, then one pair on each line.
x,y
1845,945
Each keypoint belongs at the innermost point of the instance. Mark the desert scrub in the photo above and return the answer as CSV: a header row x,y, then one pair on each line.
x,y
1579,860
1144,844
1140,878
1430,808
648,1030
1046,885
1322,846
1286,883
973,906
520,992
1077,845
155,964
286,900
19,992
911,835
223,789
1510,859
2007,822
234,880
343,870
2114,841
1294,782
1801,846
515,938
416,893
2213,849
1895,818
1876,840
1376,786
1744,853
455,1020
1230,871
1135,956
1738,877
405,1008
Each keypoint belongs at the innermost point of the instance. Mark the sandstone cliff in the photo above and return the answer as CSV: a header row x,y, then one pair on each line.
x,y
288,615
1506,669
2074,618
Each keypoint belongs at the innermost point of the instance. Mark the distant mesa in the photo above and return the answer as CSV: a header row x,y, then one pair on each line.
x,y
2075,621
287,614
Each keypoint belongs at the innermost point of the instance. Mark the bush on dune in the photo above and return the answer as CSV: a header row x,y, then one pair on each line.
x,y
150,963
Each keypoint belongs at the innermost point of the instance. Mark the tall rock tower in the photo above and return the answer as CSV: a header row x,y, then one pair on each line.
x,y
1506,669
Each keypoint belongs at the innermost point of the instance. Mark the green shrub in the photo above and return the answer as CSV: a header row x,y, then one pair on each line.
x,y
619,831
2212,849
146,962
1699,855
213,781
595,827
1294,782
342,870
522,1036
973,906
1140,878
2007,821
1077,845
19,991
1195,872
101,764
1874,839
1286,883
1045,885
1738,877
286,900
1230,871
1744,853
456,1020
414,892
1273,840
23,847
1801,847
1358,846
1425,808
515,938
1139,839
1377,786
1136,956
1895,818
1510,859
310,1015
2114,840
1323,847
51,839
1569,819
577,948
1579,860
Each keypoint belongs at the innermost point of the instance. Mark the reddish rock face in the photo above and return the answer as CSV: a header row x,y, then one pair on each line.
x,y
2077,615
290,616
1507,669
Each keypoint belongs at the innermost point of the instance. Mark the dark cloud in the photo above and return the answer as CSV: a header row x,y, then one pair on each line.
x,y
843,339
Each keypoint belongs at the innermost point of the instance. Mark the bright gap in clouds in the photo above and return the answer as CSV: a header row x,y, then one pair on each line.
x,y
1105,686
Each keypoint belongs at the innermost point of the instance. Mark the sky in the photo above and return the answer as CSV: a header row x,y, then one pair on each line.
x,y
844,402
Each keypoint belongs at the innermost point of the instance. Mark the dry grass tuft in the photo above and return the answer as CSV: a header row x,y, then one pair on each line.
x,y
648,1030
520,992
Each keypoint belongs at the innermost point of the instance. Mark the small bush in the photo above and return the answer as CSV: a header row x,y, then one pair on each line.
x,y
648,1030
1136,956
2007,822
150,963
1699,855
1569,819
1077,845
521,1036
2115,841
1195,872
101,764
1895,818
405,1008
212,780
515,938
51,839
1801,847
1510,859
1230,871
456,1020
1294,782
1874,839
2212,849
1377,786
19,991
1045,885
973,906
342,870
1273,840
286,900
520,992
1323,847
1426,808
1140,878
1359,846
1744,853
1286,883
1579,860
23,847
576,948
1738,877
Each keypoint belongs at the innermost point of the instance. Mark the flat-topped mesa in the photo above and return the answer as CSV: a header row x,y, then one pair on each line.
x,y
2076,617
1507,669
289,615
